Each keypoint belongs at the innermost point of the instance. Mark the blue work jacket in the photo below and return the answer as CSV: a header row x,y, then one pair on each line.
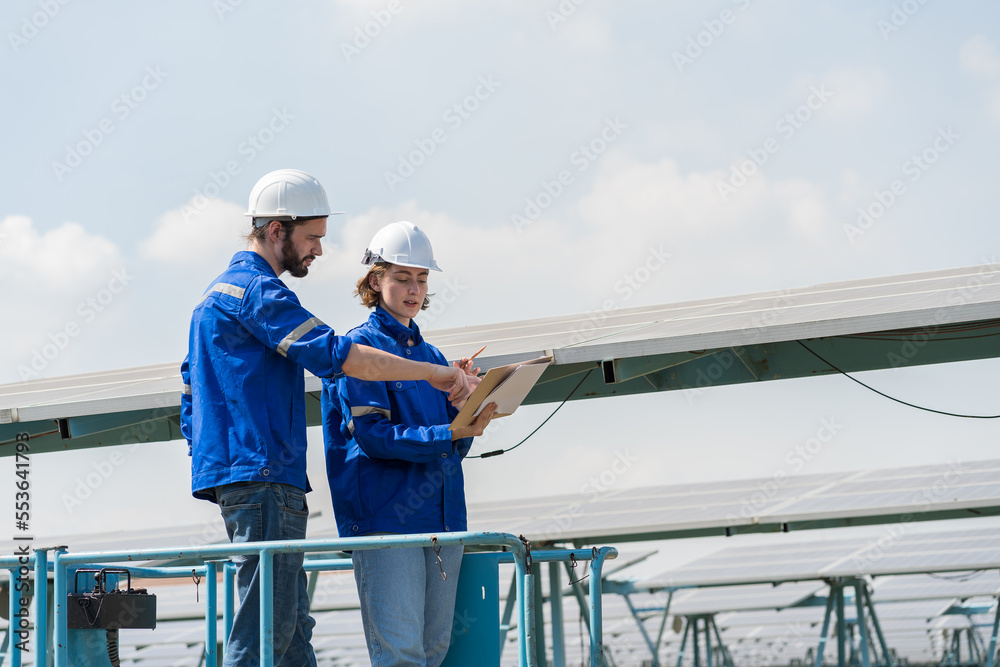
x,y
243,406
390,459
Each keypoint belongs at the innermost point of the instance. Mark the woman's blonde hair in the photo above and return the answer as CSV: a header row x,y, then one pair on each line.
x,y
364,289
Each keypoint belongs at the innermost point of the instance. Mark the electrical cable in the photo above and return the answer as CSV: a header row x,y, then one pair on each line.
x,y
961,577
498,452
892,398
112,637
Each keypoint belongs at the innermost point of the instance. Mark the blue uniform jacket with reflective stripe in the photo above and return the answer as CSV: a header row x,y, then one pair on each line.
x,y
390,459
243,407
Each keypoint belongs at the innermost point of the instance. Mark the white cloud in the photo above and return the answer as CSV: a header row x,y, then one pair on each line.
x,y
192,234
855,91
633,214
978,55
805,206
489,273
695,135
994,107
634,205
586,32
66,285
60,259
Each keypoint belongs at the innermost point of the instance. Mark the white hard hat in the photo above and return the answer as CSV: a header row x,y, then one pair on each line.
x,y
401,243
288,193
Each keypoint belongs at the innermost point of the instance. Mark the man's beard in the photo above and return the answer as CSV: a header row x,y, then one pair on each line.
x,y
293,263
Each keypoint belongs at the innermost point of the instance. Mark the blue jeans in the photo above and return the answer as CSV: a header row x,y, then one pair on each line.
x,y
257,511
406,607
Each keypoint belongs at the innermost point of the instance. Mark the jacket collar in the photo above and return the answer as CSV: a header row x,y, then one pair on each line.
x,y
252,258
381,317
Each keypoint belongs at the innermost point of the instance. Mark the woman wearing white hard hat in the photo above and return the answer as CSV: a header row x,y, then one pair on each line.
x,y
393,464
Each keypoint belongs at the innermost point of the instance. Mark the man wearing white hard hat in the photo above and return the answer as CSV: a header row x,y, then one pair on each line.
x,y
243,407
395,466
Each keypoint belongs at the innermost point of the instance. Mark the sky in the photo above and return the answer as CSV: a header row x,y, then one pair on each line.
x,y
549,150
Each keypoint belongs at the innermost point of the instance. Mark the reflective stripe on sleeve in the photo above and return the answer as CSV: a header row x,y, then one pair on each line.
x,y
225,288
366,410
298,333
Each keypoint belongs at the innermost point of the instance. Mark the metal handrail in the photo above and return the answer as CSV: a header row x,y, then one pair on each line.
x,y
63,563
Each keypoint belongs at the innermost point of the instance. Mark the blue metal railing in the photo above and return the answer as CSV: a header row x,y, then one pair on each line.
x,y
64,564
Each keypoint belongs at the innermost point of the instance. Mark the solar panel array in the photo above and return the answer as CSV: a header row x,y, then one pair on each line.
x,y
909,605
899,494
774,636
896,551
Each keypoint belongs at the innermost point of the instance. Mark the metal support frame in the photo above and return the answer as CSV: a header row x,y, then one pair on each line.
x,y
825,632
991,652
18,568
228,602
727,658
838,591
642,629
864,652
663,625
978,654
539,629
211,615
556,614
508,611
684,639
886,653
702,627
64,566
859,604
579,594
14,606
42,607
694,639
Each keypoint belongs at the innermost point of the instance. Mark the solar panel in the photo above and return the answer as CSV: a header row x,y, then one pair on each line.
x,y
798,502
923,587
648,349
738,598
896,551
